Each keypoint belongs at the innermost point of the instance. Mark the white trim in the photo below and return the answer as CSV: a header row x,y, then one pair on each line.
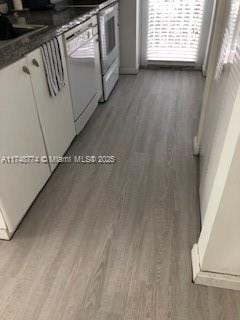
x,y
5,235
210,36
196,148
212,61
144,33
129,70
212,279
2,221
204,71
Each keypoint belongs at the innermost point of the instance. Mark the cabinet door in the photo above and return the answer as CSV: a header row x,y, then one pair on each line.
x,y
56,114
20,135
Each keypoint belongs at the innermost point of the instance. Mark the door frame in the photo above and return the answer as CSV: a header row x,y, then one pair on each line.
x,y
205,39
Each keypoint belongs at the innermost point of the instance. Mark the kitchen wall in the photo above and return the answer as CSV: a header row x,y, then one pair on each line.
x,y
129,36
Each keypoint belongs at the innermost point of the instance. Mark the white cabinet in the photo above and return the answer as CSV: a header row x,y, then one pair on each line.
x,y
32,123
20,135
55,113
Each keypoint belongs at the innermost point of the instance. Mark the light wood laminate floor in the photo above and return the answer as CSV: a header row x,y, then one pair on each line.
x,y
112,242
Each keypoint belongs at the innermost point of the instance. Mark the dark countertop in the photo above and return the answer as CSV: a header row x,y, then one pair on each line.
x,y
57,22
86,2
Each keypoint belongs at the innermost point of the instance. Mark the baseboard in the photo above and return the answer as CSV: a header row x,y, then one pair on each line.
x,y
129,70
212,279
5,235
196,148
204,71
2,221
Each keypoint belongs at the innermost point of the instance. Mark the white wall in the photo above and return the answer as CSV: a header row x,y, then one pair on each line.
x,y
221,212
223,252
129,36
214,119
219,242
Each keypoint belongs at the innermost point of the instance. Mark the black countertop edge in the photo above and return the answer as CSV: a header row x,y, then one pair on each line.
x,y
56,22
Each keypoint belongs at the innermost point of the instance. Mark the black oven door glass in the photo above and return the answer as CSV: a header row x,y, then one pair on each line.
x,y
110,35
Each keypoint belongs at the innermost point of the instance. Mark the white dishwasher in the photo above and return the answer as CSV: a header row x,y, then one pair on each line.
x,y
83,60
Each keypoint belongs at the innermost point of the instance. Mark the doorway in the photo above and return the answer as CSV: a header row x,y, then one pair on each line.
x,y
176,32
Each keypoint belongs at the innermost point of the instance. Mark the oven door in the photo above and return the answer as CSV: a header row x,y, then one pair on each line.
x,y
109,35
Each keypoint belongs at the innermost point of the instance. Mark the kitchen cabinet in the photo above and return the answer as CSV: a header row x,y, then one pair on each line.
x,y
55,113
34,124
20,135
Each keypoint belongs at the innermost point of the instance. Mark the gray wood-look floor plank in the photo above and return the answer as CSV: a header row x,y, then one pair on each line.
x,y
112,242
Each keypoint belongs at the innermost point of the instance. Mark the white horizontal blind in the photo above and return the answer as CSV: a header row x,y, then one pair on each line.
x,y
174,29
232,26
230,40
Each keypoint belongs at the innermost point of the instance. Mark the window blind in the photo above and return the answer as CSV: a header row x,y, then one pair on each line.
x,y
231,29
230,40
174,29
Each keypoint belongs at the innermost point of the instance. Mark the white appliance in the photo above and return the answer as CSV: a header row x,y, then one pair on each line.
x,y
108,22
109,45
84,70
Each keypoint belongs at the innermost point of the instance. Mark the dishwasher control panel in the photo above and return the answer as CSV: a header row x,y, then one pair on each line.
x,y
78,39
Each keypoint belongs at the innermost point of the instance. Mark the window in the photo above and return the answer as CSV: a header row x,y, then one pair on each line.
x,y
174,30
230,41
231,29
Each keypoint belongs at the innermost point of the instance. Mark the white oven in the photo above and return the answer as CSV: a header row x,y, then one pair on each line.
x,y
109,34
109,45
108,23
